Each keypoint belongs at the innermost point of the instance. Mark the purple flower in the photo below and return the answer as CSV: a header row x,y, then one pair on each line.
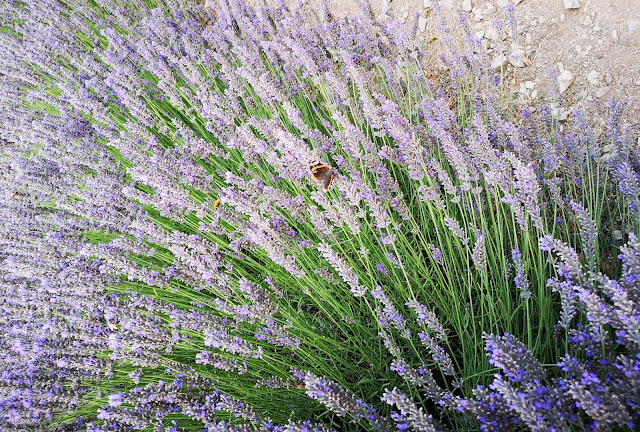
x,y
343,269
413,415
515,360
389,315
116,399
521,280
380,267
342,402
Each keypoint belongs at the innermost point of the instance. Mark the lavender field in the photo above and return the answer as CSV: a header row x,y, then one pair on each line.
x,y
274,219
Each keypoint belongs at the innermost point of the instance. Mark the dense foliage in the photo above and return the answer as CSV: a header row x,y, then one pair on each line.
x,y
169,262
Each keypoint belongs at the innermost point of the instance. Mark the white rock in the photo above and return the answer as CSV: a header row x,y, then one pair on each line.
x,y
405,15
560,67
516,1
466,5
523,90
571,4
608,78
587,21
491,8
602,91
562,17
385,7
427,4
534,94
499,62
516,58
477,14
558,112
479,34
529,85
614,34
596,28
528,39
633,25
565,79
492,33
592,77
422,23
503,3
446,4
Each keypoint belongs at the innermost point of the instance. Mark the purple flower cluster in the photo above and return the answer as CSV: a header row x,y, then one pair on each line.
x,y
389,316
600,376
165,250
521,280
341,401
344,270
141,405
410,416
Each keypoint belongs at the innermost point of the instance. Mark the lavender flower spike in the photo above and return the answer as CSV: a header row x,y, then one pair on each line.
x,y
341,401
343,269
414,416
456,229
521,280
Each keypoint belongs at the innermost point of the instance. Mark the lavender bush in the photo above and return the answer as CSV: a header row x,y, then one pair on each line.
x,y
169,263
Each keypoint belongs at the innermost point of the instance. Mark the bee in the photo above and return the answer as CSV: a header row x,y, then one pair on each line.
x,y
216,204
433,38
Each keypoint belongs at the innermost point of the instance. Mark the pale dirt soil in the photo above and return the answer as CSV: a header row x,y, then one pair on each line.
x,y
599,43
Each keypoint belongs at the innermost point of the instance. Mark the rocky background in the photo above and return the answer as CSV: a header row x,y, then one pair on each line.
x,y
592,47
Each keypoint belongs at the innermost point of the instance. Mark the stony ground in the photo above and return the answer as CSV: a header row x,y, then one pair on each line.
x,y
593,48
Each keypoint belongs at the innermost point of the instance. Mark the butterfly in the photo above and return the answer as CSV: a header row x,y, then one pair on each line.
x,y
322,173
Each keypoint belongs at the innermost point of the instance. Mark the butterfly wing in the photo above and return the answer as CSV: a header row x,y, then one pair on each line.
x,y
322,174
328,180
318,171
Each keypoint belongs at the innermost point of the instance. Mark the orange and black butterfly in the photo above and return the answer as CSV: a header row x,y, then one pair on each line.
x,y
323,174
